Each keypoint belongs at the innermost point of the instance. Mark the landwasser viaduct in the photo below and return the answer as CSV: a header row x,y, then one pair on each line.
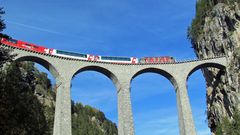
x,y
64,70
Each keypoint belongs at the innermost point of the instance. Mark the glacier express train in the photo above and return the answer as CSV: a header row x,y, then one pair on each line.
x,y
87,57
90,57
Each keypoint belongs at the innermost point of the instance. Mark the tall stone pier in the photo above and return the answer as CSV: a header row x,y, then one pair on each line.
x,y
64,69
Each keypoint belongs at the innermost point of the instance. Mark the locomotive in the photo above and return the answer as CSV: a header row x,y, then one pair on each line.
x,y
88,57
24,45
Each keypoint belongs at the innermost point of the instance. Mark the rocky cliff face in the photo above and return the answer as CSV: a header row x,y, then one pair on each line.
x,y
216,31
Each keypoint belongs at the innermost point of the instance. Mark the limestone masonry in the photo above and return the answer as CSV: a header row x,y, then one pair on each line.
x,y
64,69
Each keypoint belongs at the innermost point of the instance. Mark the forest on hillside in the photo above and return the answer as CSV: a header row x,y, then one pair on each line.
x,y
27,103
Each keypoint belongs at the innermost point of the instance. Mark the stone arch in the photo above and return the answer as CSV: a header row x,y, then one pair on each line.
x,y
41,61
186,80
157,71
205,65
171,95
101,70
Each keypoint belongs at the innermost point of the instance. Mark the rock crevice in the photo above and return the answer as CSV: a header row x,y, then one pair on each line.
x,y
220,35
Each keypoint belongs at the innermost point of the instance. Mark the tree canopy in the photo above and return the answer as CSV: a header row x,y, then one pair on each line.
x,y
2,24
229,127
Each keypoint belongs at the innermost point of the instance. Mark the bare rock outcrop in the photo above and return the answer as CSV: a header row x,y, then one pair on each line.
x,y
219,34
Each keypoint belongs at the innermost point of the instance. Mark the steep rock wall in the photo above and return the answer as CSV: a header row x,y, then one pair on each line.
x,y
219,34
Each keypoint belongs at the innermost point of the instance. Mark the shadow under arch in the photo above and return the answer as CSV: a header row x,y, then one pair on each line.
x,y
157,71
206,65
101,70
40,61
197,97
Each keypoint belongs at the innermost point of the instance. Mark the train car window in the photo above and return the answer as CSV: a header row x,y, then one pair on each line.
x,y
62,52
72,54
35,46
115,58
105,58
79,55
12,41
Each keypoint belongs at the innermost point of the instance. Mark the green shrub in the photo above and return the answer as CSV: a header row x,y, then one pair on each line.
x,y
227,127
202,9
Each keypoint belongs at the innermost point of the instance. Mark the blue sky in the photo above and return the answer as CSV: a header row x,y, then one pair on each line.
x,y
117,28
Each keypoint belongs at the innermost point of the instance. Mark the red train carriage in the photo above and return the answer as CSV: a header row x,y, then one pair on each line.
x,y
91,57
134,60
24,45
10,42
165,59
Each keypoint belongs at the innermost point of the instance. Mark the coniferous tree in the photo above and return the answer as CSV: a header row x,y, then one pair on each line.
x,y
4,53
2,24
227,127
90,121
20,111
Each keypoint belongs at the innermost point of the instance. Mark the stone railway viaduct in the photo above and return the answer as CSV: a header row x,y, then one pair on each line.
x,y
64,69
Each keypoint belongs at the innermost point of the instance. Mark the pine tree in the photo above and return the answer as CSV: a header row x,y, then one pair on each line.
x,y
4,53
227,127
20,111
2,24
